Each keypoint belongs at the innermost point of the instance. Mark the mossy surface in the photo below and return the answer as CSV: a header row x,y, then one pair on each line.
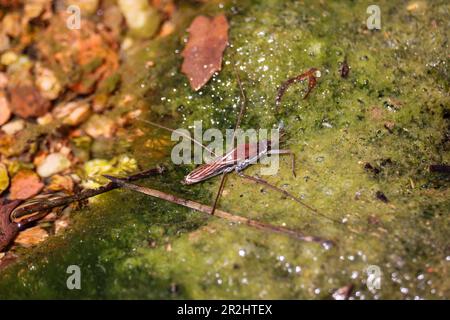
x,y
131,246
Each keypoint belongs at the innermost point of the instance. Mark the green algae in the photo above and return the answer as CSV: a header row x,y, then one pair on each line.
x,y
96,168
4,178
132,246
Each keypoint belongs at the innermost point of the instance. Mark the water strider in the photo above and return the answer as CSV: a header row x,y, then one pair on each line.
x,y
237,159
244,155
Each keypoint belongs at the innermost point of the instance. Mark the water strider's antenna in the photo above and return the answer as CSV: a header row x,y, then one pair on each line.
x,y
178,132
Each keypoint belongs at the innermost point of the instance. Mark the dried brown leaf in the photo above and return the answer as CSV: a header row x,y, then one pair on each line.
x,y
24,185
208,39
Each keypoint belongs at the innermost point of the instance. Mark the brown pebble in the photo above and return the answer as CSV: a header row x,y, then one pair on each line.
x,y
27,102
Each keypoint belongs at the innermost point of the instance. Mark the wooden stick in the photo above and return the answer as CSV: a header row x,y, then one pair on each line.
x,y
220,213
46,205
37,209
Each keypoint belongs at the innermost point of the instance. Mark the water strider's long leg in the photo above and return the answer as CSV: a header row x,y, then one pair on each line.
x,y
296,199
285,193
219,192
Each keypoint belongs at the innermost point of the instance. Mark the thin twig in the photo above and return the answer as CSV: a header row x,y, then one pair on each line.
x,y
219,213
46,205
13,218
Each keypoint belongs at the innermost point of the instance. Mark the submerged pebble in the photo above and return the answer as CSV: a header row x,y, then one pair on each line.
x,y
73,113
52,164
13,127
47,82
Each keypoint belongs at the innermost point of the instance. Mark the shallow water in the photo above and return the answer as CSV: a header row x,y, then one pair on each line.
x,y
131,246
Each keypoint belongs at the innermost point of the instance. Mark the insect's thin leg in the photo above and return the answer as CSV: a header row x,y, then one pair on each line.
x,y
219,192
287,194
289,152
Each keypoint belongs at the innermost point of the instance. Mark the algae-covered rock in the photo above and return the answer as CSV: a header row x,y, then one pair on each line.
x,y
72,113
47,82
13,126
374,132
96,168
